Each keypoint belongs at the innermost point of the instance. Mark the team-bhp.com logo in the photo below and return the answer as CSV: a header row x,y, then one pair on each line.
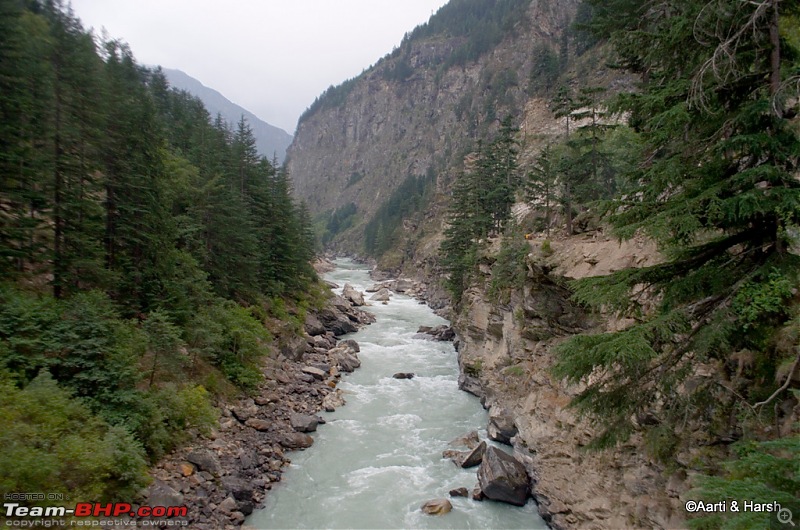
x,y
118,514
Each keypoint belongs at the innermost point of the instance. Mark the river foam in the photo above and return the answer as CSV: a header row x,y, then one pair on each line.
x,y
379,458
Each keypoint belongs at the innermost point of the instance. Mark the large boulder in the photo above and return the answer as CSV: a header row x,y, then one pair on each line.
x,y
241,489
314,325
350,343
333,401
350,293
475,457
344,356
501,425
381,296
466,459
293,347
303,422
402,285
296,440
503,478
336,321
314,372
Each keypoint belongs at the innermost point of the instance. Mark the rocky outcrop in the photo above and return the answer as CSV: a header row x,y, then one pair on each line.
x,y
380,129
506,352
341,317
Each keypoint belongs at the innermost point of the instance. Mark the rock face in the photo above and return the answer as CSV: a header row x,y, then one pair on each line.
x,y
617,488
437,507
382,128
503,478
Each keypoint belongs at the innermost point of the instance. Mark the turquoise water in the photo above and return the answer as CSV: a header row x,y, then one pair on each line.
x,y
379,458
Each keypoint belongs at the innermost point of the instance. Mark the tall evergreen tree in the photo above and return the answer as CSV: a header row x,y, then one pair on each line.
x,y
717,188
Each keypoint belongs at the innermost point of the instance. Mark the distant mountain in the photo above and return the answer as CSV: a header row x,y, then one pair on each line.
x,y
270,140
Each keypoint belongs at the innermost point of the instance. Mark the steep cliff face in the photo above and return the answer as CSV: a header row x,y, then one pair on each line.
x,y
411,114
506,352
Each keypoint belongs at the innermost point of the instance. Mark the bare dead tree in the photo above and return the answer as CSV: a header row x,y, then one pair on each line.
x,y
728,26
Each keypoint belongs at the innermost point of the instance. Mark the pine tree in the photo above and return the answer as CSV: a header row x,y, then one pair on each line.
x,y
716,188
542,184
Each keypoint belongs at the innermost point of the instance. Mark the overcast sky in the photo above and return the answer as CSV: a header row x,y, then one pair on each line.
x,y
272,57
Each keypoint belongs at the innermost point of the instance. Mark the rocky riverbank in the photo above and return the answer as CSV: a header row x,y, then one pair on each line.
x,y
223,477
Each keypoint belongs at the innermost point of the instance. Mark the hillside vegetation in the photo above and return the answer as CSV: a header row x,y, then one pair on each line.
x,y
142,249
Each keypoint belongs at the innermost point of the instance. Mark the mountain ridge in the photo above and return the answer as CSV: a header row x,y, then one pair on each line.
x,y
271,141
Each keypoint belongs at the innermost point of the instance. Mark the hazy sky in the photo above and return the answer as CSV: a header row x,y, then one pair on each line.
x,y
272,57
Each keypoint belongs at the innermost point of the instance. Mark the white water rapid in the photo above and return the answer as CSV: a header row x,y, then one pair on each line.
x,y
379,458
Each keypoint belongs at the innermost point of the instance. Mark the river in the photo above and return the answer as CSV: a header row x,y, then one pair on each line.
x,y
379,458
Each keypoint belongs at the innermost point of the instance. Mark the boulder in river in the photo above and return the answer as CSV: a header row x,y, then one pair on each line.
x,y
350,293
403,375
344,356
503,478
350,343
381,296
475,457
470,440
333,401
437,507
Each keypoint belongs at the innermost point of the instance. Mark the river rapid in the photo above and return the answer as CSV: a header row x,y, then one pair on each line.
x,y
379,458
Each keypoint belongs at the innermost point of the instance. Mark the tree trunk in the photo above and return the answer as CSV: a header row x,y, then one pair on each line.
x,y
775,55
58,186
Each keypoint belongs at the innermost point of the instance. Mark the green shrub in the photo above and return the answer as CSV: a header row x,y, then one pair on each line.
x,y
474,368
53,443
515,371
237,344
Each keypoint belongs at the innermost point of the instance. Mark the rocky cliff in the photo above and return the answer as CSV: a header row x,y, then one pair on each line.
x,y
506,352
417,112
